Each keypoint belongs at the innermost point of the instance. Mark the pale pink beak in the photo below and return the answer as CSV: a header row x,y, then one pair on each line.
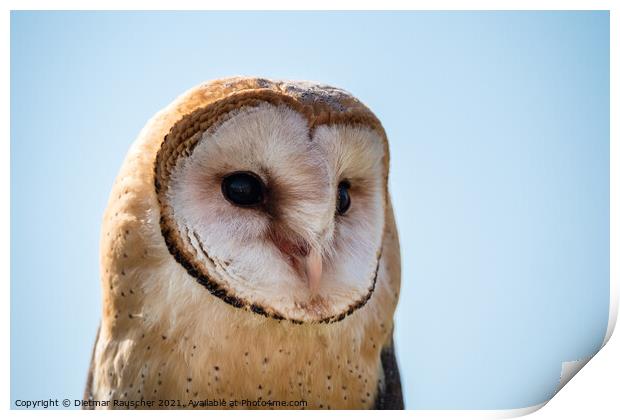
x,y
314,270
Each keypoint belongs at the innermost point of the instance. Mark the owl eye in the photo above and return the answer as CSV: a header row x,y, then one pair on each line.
x,y
343,201
243,189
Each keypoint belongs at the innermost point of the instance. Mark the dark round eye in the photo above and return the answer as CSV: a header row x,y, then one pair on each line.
x,y
343,201
243,189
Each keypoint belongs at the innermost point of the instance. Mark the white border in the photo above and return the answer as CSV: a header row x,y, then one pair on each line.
x,y
569,369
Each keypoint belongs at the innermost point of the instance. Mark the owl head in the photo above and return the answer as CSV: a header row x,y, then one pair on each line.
x,y
272,195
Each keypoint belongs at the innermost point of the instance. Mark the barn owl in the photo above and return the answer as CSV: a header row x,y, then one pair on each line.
x,y
249,255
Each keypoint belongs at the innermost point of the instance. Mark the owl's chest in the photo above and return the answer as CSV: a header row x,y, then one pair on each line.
x,y
256,366
322,369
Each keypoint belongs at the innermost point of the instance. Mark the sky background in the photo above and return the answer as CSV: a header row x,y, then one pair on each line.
x,y
499,132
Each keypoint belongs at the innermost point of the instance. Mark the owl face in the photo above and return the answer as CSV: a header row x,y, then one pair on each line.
x,y
272,212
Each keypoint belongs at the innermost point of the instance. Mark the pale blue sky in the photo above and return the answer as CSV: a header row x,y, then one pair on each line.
x,y
499,131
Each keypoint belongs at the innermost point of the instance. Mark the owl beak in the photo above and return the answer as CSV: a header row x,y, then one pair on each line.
x,y
305,258
314,269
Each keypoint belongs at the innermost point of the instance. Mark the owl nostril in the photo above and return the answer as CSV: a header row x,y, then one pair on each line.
x,y
298,248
